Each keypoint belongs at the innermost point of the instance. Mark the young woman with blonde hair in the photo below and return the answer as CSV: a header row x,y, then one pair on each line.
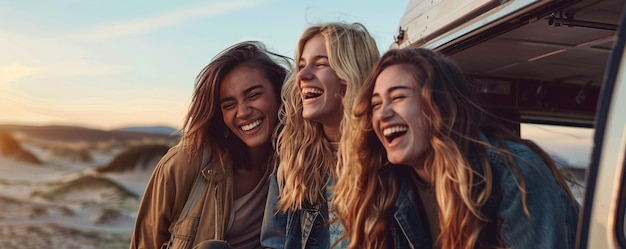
x,y
332,61
425,166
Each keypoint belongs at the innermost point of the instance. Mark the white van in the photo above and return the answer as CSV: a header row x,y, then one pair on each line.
x,y
545,62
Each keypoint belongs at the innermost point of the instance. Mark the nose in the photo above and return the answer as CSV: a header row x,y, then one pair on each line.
x,y
386,112
304,74
243,110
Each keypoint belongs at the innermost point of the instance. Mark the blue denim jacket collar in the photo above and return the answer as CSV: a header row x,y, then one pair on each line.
x,y
304,228
408,221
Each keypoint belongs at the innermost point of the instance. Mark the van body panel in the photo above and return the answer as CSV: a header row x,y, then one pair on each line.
x,y
602,221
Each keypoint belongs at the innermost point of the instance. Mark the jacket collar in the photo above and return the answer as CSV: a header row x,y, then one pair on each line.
x,y
212,169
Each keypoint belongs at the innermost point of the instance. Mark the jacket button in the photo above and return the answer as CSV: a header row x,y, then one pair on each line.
x,y
209,171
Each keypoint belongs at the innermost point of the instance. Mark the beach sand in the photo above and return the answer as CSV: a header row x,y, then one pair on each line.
x,y
66,203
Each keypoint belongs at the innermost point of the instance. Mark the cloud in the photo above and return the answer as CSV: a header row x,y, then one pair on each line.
x,y
15,71
130,27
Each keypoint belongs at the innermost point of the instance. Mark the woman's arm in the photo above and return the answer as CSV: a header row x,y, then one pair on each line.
x,y
155,211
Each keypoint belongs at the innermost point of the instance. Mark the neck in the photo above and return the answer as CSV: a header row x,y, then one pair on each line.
x,y
421,171
332,133
258,156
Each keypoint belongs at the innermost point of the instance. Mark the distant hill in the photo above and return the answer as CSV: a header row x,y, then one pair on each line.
x,y
150,129
76,134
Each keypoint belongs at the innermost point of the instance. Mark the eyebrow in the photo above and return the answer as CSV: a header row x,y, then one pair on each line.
x,y
317,57
245,92
394,88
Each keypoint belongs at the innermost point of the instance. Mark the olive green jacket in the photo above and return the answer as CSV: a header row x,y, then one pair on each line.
x,y
165,197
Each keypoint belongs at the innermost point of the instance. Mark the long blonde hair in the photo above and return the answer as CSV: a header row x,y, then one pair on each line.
x,y
306,158
365,194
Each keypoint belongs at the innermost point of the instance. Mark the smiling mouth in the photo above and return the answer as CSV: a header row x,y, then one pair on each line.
x,y
252,125
310,92
394,132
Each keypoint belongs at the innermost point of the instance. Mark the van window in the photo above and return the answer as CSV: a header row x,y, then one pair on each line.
x,y
570,147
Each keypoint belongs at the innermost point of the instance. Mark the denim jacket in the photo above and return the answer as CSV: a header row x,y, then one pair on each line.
x,y
305,228
553,219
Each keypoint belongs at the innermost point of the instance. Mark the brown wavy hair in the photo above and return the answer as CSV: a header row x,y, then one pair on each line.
x,y
204,125
365,194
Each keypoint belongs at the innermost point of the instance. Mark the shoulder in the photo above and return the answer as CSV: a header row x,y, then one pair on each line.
x,y
495,150
524,175
501,153
177,163
176,155
515,162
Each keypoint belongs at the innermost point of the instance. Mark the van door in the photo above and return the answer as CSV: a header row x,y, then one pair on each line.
x,y
602,220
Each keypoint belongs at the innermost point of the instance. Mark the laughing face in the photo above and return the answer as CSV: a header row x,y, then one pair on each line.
x,y
396,116
320,88
248,105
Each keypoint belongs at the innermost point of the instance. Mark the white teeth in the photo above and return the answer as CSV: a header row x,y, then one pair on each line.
x,y
312,90
394,129
251,125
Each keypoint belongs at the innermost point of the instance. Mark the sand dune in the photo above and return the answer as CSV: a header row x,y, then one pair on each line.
x,y
52,235
68,203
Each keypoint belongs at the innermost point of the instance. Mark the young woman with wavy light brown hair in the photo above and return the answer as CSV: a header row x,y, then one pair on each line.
x,y
227,146
424,166
332,61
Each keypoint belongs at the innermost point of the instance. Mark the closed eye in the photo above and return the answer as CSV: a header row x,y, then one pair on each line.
x,y
375,105
228,105
254,95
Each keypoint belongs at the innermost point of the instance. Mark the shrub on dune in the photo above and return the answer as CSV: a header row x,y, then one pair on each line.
x,y
11,148
137,157
94,189
107,216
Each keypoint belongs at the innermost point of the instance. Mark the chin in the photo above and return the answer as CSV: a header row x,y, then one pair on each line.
x,y
311,113
256,143
393,161
307,115
397,160
252,144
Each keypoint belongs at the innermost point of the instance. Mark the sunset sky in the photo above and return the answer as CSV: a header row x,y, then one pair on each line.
x,y
111,63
